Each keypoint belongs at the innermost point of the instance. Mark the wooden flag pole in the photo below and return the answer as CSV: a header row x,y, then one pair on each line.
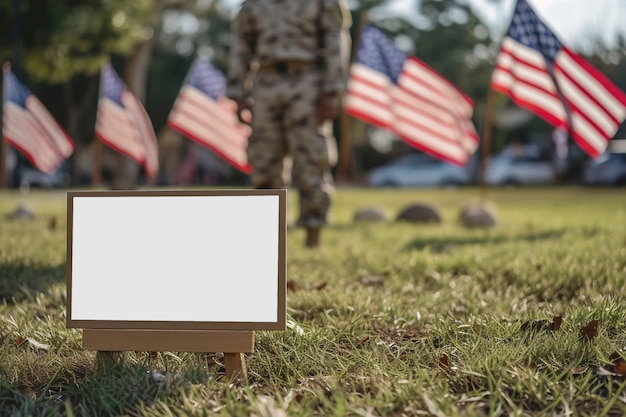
x,y
345,155
486,148
4,148
343,166
98,152
98,149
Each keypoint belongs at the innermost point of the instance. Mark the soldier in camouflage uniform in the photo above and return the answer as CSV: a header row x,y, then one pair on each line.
x,y
288,67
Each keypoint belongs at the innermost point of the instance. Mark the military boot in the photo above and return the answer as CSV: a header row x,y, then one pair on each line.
x,y
312,237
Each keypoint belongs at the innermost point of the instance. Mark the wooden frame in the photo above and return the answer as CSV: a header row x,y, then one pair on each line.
x,y
255,204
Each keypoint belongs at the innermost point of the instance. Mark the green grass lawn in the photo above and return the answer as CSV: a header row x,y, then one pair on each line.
x,y
384,319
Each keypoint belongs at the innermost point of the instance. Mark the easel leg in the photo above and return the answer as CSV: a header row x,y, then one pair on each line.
x,y
105,359
235,366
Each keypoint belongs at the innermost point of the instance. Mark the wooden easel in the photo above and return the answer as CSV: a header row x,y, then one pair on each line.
x,y
108,342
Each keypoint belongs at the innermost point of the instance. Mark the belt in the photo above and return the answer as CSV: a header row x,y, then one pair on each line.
x,y
285,67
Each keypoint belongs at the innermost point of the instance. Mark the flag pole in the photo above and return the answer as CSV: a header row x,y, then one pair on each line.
x,y
343,166
345,158
96,176
98,148
486,148
4,147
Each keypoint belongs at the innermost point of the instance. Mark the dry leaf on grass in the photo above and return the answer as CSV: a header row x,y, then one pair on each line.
x,y
538,325
620,367
580,371
616,368
35,344
295,327
556,323
443,361
590,330
605,372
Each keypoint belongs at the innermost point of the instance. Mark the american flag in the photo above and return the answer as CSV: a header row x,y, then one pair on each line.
x,y
202,113
123,124
404,95
542,75
30,128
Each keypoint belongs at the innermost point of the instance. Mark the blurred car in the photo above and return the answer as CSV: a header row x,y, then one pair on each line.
x,y
418,170
33,178
524,169
608,169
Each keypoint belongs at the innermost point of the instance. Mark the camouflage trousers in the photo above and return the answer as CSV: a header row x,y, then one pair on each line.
x,y
284,125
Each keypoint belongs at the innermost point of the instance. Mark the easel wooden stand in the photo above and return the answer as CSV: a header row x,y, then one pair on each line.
x,y
107,342
176,271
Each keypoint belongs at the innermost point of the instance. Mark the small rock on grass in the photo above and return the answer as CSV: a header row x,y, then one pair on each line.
x,y
478,215
420,213
22,212
370,214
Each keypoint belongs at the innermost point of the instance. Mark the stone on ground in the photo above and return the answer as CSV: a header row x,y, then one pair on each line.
x,y
420,213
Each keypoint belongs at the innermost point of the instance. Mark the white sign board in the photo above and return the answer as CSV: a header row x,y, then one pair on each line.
x,y
205,260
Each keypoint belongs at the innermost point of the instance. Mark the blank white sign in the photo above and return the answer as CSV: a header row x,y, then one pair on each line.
x,y
176,260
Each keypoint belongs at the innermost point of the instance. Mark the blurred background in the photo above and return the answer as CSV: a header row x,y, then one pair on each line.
x,y
57,49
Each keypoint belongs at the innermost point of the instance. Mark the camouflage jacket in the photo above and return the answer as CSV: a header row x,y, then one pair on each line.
x,y
267,31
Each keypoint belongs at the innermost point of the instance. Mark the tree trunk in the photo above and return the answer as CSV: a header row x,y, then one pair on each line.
x,y
126,171
77,94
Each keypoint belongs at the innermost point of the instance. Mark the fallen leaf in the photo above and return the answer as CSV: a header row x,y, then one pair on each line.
x,y
534,326
295,327
20,341
580,371
556,323
321,286
291,286
538,325
52,223
619,365
605,372
443,361
620,368
590,330
37,345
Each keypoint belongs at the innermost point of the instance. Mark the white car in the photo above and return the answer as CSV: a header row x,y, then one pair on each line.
x,y
608,169
525,169
418,170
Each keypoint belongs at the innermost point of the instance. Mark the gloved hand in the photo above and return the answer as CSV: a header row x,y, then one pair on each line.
x,y
327,107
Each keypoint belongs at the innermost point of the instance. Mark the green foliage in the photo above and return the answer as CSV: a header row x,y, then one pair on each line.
x,y
456,46
61,39
385,318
